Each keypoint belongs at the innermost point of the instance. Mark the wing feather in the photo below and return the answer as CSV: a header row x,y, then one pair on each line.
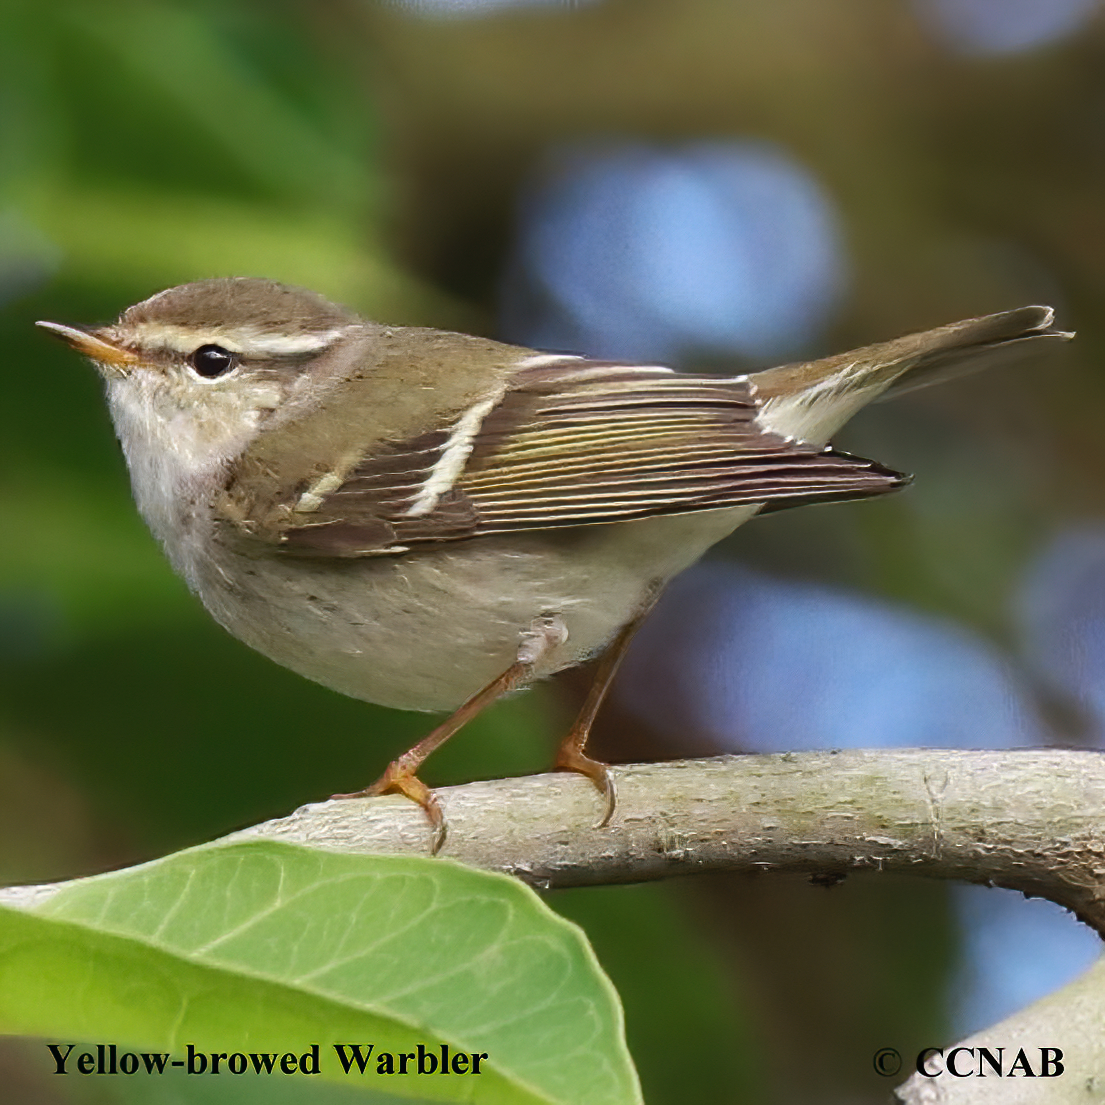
x,y
579,443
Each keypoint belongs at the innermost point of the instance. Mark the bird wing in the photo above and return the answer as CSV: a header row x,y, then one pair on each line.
x,y
570,442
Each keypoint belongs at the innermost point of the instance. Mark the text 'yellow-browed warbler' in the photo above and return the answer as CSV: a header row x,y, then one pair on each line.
x,y
427,520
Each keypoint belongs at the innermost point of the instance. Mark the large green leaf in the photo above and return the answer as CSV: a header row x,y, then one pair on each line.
x,y
264,947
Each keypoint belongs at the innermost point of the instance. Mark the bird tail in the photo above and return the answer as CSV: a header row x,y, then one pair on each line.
x,y
811,400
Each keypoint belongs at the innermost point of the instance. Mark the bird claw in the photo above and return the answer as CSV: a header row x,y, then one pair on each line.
x,y
400,780
570,758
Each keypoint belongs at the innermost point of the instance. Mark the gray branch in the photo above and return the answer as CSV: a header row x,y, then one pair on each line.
x,y
1029,820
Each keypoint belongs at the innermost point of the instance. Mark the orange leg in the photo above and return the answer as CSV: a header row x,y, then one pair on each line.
x,y
570,755
401,774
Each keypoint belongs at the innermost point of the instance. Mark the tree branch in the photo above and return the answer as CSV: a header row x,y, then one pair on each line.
x,y
1029,820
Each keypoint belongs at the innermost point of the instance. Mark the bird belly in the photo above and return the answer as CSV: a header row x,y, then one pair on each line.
x,y
426,630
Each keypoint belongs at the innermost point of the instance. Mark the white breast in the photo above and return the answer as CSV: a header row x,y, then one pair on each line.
x,y
177,441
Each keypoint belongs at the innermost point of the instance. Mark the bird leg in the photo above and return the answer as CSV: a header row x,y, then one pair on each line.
x,y
570,755
400,776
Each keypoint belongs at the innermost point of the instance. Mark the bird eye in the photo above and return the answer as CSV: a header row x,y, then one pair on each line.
x,y
213,360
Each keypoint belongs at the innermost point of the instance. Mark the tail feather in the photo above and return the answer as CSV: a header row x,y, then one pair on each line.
x,y
811,400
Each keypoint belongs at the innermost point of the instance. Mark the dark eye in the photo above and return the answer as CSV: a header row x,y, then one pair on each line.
x,y
213,360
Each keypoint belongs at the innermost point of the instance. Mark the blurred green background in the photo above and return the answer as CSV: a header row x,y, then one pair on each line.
x,y
383,155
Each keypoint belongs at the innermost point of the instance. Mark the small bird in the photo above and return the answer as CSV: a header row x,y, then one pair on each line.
x,y
429,520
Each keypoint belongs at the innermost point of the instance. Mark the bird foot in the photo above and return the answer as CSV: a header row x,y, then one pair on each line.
x,y
399,779
570,758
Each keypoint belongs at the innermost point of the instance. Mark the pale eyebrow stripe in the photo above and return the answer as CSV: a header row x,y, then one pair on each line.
x,y
243,339
292,343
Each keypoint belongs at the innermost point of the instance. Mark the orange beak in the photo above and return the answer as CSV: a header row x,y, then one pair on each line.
x,y
91,344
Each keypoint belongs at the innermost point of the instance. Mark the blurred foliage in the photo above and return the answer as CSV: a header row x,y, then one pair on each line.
x,y
377,157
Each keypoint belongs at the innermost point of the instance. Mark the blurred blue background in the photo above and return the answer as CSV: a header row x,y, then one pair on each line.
x,y
674,253
712,185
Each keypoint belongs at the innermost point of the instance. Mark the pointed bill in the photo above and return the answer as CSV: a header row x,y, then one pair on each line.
x,y
91,345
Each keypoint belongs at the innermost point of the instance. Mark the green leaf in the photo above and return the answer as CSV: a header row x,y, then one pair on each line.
x,y
264,947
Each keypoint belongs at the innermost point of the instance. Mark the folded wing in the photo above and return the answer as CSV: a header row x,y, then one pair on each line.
x,y
571,443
